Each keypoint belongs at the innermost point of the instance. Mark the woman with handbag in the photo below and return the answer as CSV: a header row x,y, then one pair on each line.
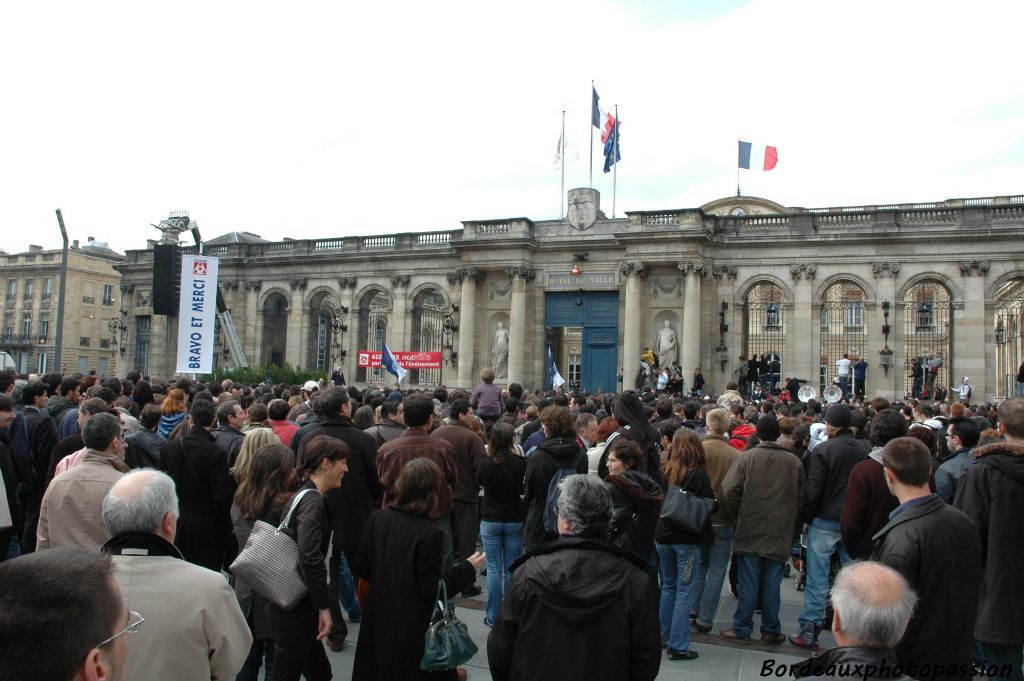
x,y
299,630
502,512
263,476
679,547
637,498
400,556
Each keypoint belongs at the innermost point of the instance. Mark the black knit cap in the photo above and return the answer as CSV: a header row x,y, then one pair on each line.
x,y
768,429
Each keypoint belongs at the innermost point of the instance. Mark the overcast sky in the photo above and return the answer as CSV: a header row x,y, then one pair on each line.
x,y
313,119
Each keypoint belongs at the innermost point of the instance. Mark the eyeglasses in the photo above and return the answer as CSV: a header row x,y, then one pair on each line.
x,y
135,621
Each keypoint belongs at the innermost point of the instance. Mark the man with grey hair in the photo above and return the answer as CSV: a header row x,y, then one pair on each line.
x,y
70,513
194,626
873,604
579,590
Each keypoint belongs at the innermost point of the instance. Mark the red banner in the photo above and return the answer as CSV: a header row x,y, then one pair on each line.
x,y
409,360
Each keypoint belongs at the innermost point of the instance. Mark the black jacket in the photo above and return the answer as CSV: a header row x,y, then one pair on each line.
x,y
991,493
361,491
637,498
142,449
10,484
593,599
312,533
549,456
849,662
936,548
828,471
199,469
229,440
42,436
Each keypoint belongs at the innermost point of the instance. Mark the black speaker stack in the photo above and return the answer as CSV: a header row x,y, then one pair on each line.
x,y
166,278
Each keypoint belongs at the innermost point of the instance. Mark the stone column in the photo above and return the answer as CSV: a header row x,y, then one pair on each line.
x,y
297,322
802,329
689,358
633,271
397,335
251,327
469,277
973,338
346,297
520,274
890,387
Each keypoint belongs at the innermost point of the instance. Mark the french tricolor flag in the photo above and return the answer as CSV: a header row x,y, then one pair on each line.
x,y
758,156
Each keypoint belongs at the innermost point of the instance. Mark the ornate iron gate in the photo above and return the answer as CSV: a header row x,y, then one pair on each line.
x,y
927,337
275,330
764,324
321,315
1009,337
427,323
843,330
374,307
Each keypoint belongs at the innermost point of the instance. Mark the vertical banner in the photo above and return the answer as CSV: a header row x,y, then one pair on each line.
x,y
197,312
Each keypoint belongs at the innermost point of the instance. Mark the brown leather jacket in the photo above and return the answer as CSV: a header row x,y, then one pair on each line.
x,y
414,444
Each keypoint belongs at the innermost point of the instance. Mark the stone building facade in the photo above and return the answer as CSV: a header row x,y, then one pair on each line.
x,y
92,308
737,276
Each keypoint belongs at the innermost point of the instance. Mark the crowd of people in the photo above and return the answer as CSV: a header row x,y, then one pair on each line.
x,y
127,500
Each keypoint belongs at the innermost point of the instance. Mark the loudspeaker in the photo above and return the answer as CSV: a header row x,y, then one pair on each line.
x,y
166,278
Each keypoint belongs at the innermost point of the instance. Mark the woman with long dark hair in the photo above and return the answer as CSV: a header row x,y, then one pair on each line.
x,y
634,425
560,449
298,632
502,512
263,488
400,556
679,549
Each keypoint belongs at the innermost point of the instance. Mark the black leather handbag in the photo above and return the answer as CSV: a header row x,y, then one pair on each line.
x,y
686,510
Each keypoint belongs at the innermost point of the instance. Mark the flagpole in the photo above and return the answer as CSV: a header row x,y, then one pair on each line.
x,y
737,169
561,194
615,158
591,134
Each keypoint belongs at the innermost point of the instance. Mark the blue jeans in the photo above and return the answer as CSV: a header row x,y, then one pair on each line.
x,y
990,654
347,591
821,544
758,573
503,544
844,383
1020,389
714,566
680,568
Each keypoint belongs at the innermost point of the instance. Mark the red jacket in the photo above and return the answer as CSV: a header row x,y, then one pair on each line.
x,y
741,434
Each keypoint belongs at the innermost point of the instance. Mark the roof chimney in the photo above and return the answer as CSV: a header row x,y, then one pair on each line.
x,y
90,239
32,248
74,244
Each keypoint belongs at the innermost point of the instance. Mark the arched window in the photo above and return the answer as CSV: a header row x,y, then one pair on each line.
x,y
427,321
275,329
843,330
764,328
374,307
321,315
1009,338
928,339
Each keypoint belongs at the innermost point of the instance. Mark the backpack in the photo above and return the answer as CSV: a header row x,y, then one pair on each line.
x,y
555,491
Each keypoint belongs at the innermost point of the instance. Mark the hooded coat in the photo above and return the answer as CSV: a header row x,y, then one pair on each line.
x,y
576,609
550,455
637,500
991,493
634,424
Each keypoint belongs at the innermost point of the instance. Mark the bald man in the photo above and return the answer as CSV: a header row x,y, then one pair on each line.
x,y
873,604
194,626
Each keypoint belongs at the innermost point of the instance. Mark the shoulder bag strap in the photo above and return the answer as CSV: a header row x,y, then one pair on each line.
x,y
295,504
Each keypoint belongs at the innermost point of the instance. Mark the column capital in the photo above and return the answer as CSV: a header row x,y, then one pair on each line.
x,y
254,286
724,272
298,284
695,266
524,272
462,273
885,269
802,270
634,267
347,282
978,267
400,280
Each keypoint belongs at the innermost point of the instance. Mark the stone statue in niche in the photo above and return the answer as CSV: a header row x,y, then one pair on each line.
x,y
499,352
665,345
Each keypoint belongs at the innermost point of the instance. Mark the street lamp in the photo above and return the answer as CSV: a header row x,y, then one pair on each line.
x,y
339,327
448,329
116,325
885,354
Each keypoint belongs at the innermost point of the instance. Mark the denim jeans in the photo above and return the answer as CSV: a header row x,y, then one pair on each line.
x,y
503,544
757,573
714,566
680,569
844,383
821,544
347,591
1010,655
1020,389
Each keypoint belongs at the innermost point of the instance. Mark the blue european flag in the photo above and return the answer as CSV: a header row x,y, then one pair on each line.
x,y
390,364
611,148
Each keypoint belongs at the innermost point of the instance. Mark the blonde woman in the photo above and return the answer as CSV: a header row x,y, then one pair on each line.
x,y
251,443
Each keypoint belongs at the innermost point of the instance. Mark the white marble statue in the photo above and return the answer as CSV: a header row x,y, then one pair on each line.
x,y
665,345
499,352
